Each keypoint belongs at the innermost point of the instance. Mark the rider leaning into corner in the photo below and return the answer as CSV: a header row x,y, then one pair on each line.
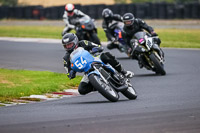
x,y
110,19
133,25
70,43
70,17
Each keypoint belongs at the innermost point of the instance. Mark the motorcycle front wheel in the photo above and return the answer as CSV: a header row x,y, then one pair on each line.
x,y
105,89
130,93
159,67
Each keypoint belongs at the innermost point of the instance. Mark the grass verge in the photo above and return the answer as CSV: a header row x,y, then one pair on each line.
x,y
178,38
31,31
19,83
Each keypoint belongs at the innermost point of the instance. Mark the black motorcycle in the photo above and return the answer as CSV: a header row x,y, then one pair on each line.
x,y
86,30
148,53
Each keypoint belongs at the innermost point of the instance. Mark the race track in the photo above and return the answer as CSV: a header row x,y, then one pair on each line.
x,y
165,104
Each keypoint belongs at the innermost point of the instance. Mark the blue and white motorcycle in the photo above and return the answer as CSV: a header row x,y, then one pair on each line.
x,y
104,78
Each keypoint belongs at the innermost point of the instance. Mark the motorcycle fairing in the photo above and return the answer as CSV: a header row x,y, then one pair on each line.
x,y
81,60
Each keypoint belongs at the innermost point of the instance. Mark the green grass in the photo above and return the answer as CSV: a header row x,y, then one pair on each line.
x,y
179,38
18,83
31,31
38,32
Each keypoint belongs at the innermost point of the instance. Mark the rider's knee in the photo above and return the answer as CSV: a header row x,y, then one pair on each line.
x,y
84,88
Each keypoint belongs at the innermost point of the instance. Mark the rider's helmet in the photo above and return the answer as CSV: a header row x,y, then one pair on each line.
x,y
128,19
70,9
70,42
107,14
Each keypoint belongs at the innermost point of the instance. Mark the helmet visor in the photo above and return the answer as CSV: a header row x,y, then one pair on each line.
x,y
69,45
70,13
106,15
128,22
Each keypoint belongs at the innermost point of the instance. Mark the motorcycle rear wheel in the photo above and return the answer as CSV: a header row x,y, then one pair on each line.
x,y
105,89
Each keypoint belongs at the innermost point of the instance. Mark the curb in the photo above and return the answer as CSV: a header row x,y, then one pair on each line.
x,y
71,92
35,98
48,40
36,40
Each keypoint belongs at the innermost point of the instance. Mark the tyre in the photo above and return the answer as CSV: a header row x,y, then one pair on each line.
x,y
130,93
159,67
95,39
106,90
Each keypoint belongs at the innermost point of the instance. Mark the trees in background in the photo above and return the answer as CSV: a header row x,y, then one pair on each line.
x,y
168,1
8,2
14,2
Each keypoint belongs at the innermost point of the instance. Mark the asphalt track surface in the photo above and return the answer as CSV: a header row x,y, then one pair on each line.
x,y
165,104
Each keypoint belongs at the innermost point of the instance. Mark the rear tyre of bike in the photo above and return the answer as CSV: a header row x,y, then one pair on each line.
x,y
95,39
106,90
159,67
130,93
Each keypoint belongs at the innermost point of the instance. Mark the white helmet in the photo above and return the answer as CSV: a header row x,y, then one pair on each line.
x,y
69,8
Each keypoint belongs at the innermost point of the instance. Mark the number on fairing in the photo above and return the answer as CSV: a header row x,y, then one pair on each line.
x,y
80,64
149,42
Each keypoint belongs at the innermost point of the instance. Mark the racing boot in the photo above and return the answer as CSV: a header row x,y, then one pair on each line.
x,y
108,58
111,45
120,48
127,74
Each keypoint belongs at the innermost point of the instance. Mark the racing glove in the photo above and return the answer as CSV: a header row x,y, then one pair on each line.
x,y
154,33
96,49
71,74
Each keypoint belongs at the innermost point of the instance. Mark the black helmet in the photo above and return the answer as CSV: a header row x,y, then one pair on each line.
x,y
70,41
128,19
107,14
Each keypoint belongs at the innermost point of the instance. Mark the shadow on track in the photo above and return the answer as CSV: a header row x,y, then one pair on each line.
x,y
123,58
147,75
100,102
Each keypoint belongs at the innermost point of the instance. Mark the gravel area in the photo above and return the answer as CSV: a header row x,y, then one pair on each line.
x,y
184,24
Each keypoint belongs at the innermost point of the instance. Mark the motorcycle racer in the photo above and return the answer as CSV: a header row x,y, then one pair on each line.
x,y
70,17
133,25
70,43
109,19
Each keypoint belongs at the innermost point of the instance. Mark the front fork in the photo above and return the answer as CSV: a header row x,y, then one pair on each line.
x,y
157,56
98,72
160,52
